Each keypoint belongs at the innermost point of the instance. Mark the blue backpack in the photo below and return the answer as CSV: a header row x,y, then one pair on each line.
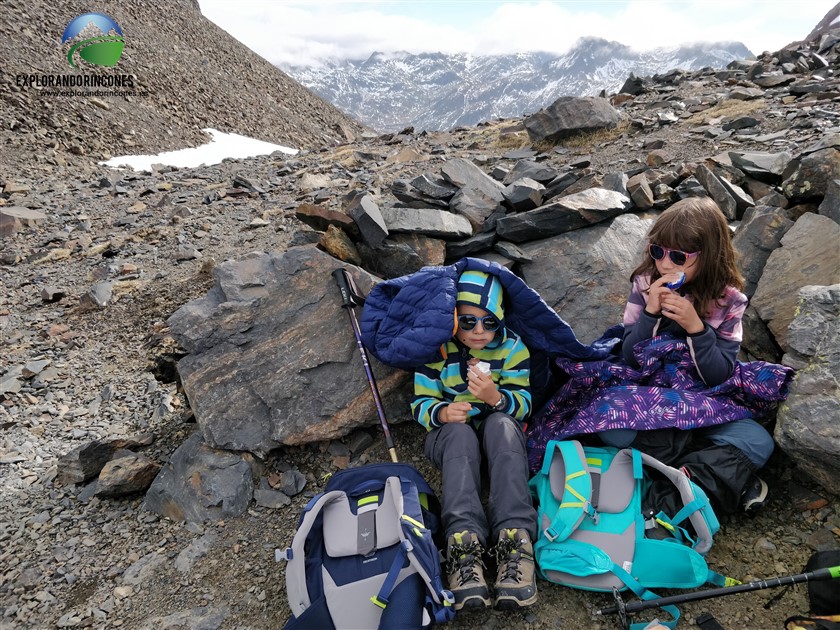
x,y
363,554
593,534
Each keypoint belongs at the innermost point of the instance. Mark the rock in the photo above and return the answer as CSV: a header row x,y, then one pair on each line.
x,y
33,368
437,223
480,210
811,178
806,427
272,359
52,294
87,461
765,167
141,571
185,252
758,235
337,243
320,218
717,191
523,194
808,255
469,246
393,258
528,169
201,483
583,275
14,218
196,550
271,499
434,187
310,181
568,213
830,206
463,173
367,216
570,116
199,618
127,474
98,296
639,192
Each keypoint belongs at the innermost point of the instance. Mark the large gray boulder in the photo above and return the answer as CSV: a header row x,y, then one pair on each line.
x,y
200,483
272,357
585,275
758,235
807,426
808,256
570,116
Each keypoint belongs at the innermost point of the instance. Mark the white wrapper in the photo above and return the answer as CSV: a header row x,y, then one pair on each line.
x,y
483,366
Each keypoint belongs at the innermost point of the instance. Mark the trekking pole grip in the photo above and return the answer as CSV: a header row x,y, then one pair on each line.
x,y
342,279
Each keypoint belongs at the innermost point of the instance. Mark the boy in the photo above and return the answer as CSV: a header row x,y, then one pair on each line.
x,y
470,411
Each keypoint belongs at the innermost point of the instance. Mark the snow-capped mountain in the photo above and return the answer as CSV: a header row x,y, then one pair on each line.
x,y
439,91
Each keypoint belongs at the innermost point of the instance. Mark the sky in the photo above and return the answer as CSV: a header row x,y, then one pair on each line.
x,y
304,33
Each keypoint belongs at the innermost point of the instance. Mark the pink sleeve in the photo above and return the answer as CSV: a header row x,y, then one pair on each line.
x,y
637,301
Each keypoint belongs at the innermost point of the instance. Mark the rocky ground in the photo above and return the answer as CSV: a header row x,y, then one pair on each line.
x,y
96,363
71,559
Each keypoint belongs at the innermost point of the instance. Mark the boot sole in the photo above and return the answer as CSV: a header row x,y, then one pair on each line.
x,y
512,603
475,602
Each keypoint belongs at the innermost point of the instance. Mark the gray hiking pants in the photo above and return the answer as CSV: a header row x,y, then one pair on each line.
x,y
456,449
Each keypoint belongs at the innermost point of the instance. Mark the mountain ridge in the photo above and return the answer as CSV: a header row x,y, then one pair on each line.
x,y
435,91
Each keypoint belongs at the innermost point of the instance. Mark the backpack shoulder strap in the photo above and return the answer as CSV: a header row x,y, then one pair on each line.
x,y
296,590
571,484
419,549
696,507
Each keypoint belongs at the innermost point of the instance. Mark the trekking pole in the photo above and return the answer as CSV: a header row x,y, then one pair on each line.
x,y
350,297
621,608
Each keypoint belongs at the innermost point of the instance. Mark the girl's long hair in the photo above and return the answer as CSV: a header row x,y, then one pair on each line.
x,y
697,224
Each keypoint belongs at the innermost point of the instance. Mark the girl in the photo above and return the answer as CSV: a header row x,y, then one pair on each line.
x,y
688,285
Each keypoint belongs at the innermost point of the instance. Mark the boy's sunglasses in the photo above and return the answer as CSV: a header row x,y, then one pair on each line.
x,y
468,322
657,252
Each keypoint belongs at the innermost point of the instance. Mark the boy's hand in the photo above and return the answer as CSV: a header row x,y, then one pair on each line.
x,y
455,412
481,386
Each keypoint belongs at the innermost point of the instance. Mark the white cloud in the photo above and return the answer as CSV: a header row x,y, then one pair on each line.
x,y
305,32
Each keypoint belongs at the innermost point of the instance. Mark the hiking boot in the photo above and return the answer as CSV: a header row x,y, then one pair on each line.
x,y
464,567
516,581
754,496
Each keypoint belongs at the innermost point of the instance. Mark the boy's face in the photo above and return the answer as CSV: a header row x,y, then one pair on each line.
x,y
478,337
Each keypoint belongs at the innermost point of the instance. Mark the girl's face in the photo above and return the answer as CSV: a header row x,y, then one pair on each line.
x,y
691,267
475,338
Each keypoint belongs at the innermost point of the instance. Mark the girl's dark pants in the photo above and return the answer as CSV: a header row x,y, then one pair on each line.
x,y
457,450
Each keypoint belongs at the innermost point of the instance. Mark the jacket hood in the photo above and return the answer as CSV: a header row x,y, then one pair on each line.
x,y
481,289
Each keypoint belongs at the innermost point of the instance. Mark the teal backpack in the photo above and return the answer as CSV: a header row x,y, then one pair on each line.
x,y
593,534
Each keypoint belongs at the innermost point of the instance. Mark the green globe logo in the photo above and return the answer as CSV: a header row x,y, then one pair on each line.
x,y
102,42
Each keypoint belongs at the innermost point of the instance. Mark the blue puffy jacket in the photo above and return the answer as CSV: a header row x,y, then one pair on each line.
x,y
406,320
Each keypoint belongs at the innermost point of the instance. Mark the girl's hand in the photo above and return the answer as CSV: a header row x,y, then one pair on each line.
x,y
657,291
481,386
455,412
678,308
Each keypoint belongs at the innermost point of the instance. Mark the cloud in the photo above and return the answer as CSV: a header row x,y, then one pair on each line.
x,y
303,33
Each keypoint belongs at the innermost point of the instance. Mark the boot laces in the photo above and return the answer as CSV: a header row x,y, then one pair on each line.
x,y
508,554
465,557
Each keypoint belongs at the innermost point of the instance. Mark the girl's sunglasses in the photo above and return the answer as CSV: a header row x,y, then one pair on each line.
x,y
468,322
679,258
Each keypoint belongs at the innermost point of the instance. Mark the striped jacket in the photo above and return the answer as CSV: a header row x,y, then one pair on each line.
x,y
440,383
